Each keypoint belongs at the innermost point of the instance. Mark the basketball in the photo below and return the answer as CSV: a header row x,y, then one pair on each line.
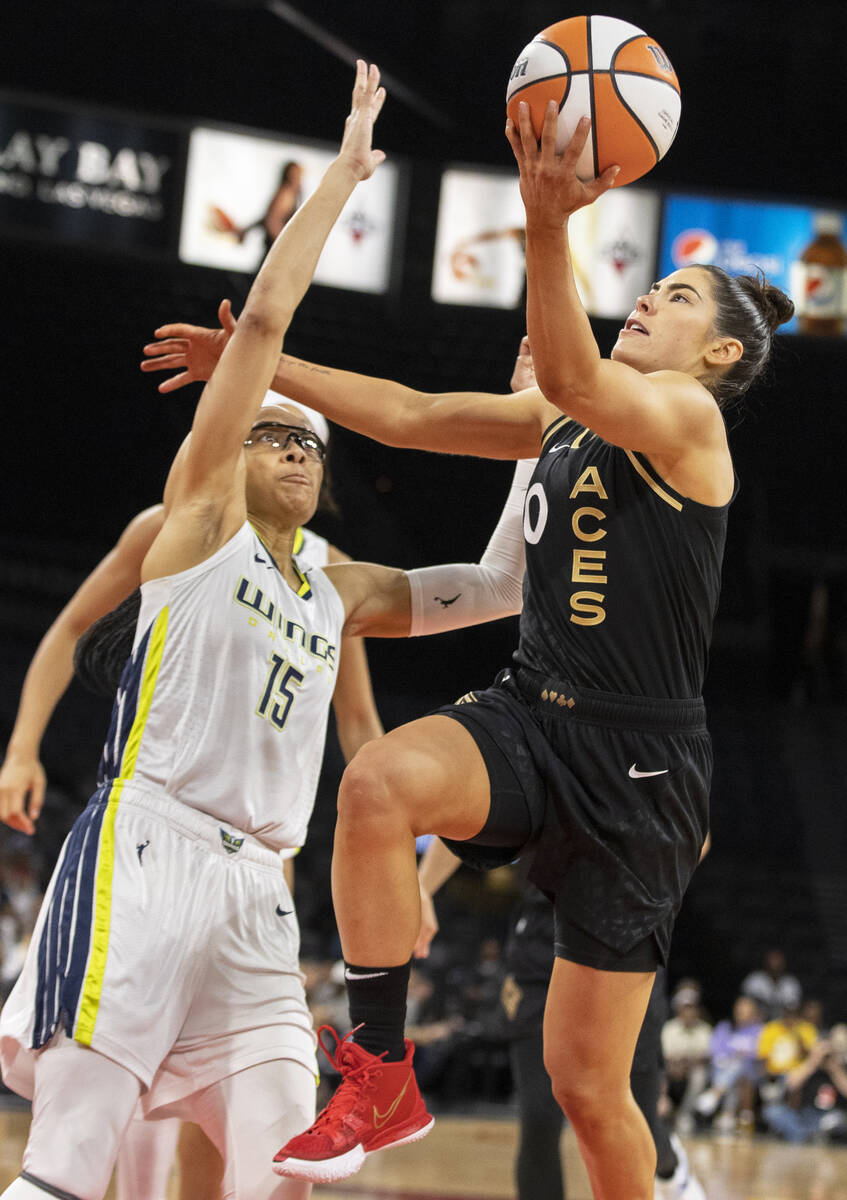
x,y
610,71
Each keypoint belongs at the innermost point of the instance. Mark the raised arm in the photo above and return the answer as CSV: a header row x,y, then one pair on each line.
x,y
484,424
479,423
22,777
209,503
659,410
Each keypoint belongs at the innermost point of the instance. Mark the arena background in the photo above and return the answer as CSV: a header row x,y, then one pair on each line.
x,y
87,439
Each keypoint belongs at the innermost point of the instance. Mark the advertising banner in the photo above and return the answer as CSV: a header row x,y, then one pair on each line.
x,y
241,189
746,236
479,246
88,177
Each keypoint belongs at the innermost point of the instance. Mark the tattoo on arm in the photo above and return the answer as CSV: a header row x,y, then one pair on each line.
x,y
306,366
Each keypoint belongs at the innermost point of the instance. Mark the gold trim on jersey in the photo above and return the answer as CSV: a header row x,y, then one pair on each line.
x,y
557,427
651,482
299,539
92,987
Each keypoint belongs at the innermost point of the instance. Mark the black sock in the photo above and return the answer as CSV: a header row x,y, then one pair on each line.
x,y
377,998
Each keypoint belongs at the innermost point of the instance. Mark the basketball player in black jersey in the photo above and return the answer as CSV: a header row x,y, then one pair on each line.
x,y
590,753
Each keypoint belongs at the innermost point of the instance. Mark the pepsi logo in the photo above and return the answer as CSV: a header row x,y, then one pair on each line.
x,y
821,286
694,246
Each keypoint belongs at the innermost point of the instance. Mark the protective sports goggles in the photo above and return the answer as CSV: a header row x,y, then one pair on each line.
x,y
277,436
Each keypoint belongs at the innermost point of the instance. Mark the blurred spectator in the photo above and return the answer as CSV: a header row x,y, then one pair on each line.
x,y
772,986
19,883
815,1100
735,1069
785,1042
12,946
692,988
811,1010
685,1046
436,1040
480,988
20,899
481,1070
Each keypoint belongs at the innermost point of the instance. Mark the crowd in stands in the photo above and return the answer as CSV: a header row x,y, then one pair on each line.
x,y
773,1066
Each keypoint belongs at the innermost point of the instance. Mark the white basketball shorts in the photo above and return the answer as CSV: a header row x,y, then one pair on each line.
x,y
167,942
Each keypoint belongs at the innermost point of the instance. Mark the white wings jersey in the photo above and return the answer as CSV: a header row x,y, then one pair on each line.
x,y
310,549
223,703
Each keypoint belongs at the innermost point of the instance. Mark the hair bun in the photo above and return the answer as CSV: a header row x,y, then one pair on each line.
x,y
774,305
777,308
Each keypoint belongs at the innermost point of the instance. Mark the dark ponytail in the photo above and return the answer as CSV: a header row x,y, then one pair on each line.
x,y
101,653
750,309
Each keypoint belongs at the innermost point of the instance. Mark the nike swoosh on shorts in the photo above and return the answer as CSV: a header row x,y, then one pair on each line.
x,y
634,773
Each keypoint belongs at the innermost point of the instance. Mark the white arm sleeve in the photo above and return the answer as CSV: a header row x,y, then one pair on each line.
x,y
458,594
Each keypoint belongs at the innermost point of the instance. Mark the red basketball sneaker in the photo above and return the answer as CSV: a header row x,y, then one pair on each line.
x,y
376,1105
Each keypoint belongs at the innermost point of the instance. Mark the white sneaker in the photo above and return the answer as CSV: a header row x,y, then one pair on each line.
x,y
707,1102
682,1185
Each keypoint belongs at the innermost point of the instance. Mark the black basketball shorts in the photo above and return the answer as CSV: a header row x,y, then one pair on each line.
x,y
607,793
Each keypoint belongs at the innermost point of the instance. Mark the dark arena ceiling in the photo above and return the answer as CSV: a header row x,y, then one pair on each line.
x,y
763,88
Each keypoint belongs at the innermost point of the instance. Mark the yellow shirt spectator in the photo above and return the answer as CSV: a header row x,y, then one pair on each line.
x,y
784,1043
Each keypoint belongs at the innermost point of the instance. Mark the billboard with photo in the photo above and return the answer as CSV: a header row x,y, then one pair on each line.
x,y
479,240
479,245
88,176
746,236
242,187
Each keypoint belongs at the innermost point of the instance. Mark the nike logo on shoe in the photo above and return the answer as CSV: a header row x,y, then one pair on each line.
x,y
348,974
634,773
381,1118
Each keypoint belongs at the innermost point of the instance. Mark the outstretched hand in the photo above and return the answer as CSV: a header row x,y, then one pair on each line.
x,y
550,187
192,350
523,374
22,786
368,99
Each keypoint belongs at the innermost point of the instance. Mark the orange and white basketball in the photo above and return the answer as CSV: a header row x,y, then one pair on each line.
x,y
612,72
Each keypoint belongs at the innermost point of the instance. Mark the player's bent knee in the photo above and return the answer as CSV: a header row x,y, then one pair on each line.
x,y
372,789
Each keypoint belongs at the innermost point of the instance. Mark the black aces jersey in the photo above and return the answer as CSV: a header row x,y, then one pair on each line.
x,y
622,572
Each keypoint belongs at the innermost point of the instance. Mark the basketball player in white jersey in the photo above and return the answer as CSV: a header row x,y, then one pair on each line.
x,y
164,963
148,1148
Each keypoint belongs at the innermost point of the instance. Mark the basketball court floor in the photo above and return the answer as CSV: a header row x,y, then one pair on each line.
x,y
471,1159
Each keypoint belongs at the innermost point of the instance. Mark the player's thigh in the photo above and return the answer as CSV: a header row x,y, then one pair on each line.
x,y
432,768
83,1103
248,1117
